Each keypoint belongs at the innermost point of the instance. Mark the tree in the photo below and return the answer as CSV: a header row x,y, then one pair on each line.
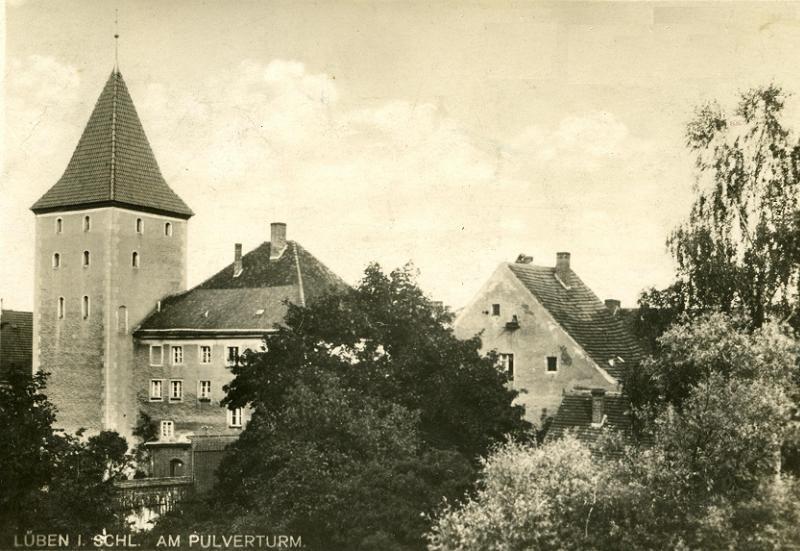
x,y
739,250
367,411
717,409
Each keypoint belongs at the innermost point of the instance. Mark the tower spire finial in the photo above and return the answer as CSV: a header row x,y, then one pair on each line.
x,y
116,40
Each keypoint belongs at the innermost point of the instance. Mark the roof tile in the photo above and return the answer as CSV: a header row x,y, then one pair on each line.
x,y
113,163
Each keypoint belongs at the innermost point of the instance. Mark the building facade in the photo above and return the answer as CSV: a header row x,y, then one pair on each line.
x,y
114,323
552,334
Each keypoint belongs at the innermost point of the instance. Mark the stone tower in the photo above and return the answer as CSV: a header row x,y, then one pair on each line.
x,y
110,243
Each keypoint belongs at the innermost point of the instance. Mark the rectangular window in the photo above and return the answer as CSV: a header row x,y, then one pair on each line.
x,y
177,355
61,308
204,392
139,225
156,388
167,430
235,418
176,390
552,364
233,355
85,307
495,309
156,354
205,354
507,365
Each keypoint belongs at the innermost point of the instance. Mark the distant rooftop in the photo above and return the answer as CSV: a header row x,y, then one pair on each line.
x,y
16,337
252,301
600,332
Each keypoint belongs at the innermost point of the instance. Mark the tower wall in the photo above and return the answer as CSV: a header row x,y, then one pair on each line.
x,y
91,359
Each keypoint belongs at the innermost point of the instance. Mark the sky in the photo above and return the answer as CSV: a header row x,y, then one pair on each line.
x,y
455,135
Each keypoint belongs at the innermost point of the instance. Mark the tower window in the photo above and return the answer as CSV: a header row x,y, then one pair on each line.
x,y
507,365
156,354
176,390
139,225
87,223
233,355
60,308
167,430
552,364
168,229
59,225
495,309
156,389
122,320
56,260
235,418
135,259
85,259
85,307
204,392
177,355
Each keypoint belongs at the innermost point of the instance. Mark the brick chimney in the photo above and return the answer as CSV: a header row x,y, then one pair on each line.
x,y
562,267
613,305
237,259
598,406
277,240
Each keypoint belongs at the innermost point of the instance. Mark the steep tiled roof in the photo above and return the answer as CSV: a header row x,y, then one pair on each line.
x,y
578,310
113,163
253,300
16,336
575,415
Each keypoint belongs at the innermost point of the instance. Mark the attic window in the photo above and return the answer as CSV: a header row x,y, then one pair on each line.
x,y
552,364
495,309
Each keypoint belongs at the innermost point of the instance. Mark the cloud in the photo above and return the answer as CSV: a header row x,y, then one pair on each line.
x,y
396,181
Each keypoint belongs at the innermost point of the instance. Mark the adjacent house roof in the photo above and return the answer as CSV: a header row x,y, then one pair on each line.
x,y
575,415
113,164
16,336
253,301
587,320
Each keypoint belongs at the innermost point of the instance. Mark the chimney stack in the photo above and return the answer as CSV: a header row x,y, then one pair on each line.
x,y
237,259
277,240
613,305
598,406
562,267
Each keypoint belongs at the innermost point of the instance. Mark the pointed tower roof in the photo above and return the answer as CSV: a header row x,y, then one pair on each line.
x,y
113,164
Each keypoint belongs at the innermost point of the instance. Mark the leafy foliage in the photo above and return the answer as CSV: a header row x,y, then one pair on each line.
x,y
718,413
739,251
367,412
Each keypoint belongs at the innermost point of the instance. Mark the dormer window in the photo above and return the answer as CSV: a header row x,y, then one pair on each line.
x,y
86,259
139,225
168,229
87,223
59,225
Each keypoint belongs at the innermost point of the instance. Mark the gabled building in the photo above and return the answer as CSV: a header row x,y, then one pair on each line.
x,y
185,347
16,334
553,335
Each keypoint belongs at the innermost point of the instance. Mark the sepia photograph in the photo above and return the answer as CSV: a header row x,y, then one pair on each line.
x,y
399,275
